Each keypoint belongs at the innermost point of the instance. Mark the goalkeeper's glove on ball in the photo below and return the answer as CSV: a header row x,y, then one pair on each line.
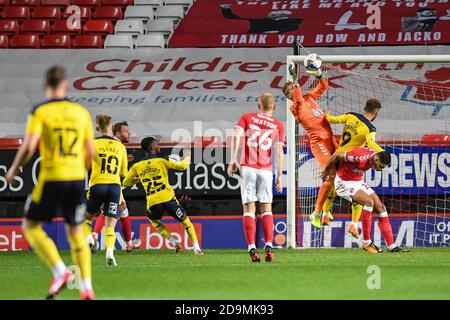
x,y
317,73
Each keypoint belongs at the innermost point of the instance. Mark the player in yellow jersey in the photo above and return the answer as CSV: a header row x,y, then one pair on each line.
x,y
358,132
153,173
64,132
109,166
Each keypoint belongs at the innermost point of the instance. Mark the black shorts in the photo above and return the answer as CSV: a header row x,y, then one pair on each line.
x,y
106,196
53,197
172,207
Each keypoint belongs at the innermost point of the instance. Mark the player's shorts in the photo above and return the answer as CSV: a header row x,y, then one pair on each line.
x,y
347,189
322,150
50,198
106,196
256,185
172,208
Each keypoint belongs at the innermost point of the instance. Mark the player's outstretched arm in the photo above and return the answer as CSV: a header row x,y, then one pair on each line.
x,y
23,155
179,165
320,89
131,179
336,157
337,119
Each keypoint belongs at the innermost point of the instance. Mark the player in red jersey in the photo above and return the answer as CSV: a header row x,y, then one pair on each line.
x,y
349,185
261,132
310,116
121,132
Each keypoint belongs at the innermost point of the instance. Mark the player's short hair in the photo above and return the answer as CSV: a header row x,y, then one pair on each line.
x,y
286,85
384,157
103,121
147,142
372,105
118,126
55,76
267,101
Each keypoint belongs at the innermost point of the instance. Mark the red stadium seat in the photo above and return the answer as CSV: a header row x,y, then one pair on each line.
x,y
4,3
60,27
120,3
56,41
435,140
87,3
88,41
85,13
4,41
9,27
40,27
55,3
25,41
50,13
25,3
18,13
102,27
110,13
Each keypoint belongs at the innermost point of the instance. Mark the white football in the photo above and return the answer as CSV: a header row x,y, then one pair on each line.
x,y
312,61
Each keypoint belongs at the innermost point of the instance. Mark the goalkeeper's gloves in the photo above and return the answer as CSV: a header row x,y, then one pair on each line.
x,y
317,73
293,72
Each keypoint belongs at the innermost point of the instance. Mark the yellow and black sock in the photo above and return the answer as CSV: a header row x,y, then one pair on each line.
x,y
190,230
158,225
110,238
81,255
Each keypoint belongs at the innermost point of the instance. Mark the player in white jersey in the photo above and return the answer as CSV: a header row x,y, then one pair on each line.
x,y
261,133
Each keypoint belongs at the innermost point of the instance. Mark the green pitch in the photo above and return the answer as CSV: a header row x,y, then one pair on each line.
x,y
228,274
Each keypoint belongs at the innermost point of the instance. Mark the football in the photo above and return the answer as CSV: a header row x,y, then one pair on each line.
x,y
312,61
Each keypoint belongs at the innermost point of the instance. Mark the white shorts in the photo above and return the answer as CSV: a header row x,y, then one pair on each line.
x,y
347,189
256,185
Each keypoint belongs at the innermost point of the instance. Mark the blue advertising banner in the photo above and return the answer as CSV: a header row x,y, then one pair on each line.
x,y
415,170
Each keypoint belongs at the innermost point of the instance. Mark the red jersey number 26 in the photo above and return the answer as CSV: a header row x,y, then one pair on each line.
x,y
256,139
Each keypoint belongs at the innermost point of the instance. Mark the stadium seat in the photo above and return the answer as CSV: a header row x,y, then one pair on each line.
x,y
4,3
160,26
25,41
17,13
49,13
88,41
56,41
119,41
55,3
111,13
60,27
26,3
174,13
4,43
151,3
40,27
141,13
435,140
9,27
87,3
132,27
85,13
118,3
150,41
102,27
184,3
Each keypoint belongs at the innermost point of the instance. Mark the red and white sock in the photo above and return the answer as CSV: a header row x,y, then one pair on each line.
x,y
99,224
386,229
366,218
267,224
249,223
125,226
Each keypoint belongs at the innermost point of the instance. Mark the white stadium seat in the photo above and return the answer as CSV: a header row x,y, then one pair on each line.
x,y
150,3
139,12
174,13
185,3
150,41
119,41
160,26
131,27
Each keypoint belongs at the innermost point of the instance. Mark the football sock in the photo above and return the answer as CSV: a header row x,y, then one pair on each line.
x,y
267,224
110,238
99,223
87,228
45,249
125,226
328,205
367,222
81,255
356,212
249,228
161,228
322,196
190,230
386,229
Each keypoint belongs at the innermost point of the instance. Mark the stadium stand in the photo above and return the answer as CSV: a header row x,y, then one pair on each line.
x,y
119,41
90,41
25,41
56,41
4,43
